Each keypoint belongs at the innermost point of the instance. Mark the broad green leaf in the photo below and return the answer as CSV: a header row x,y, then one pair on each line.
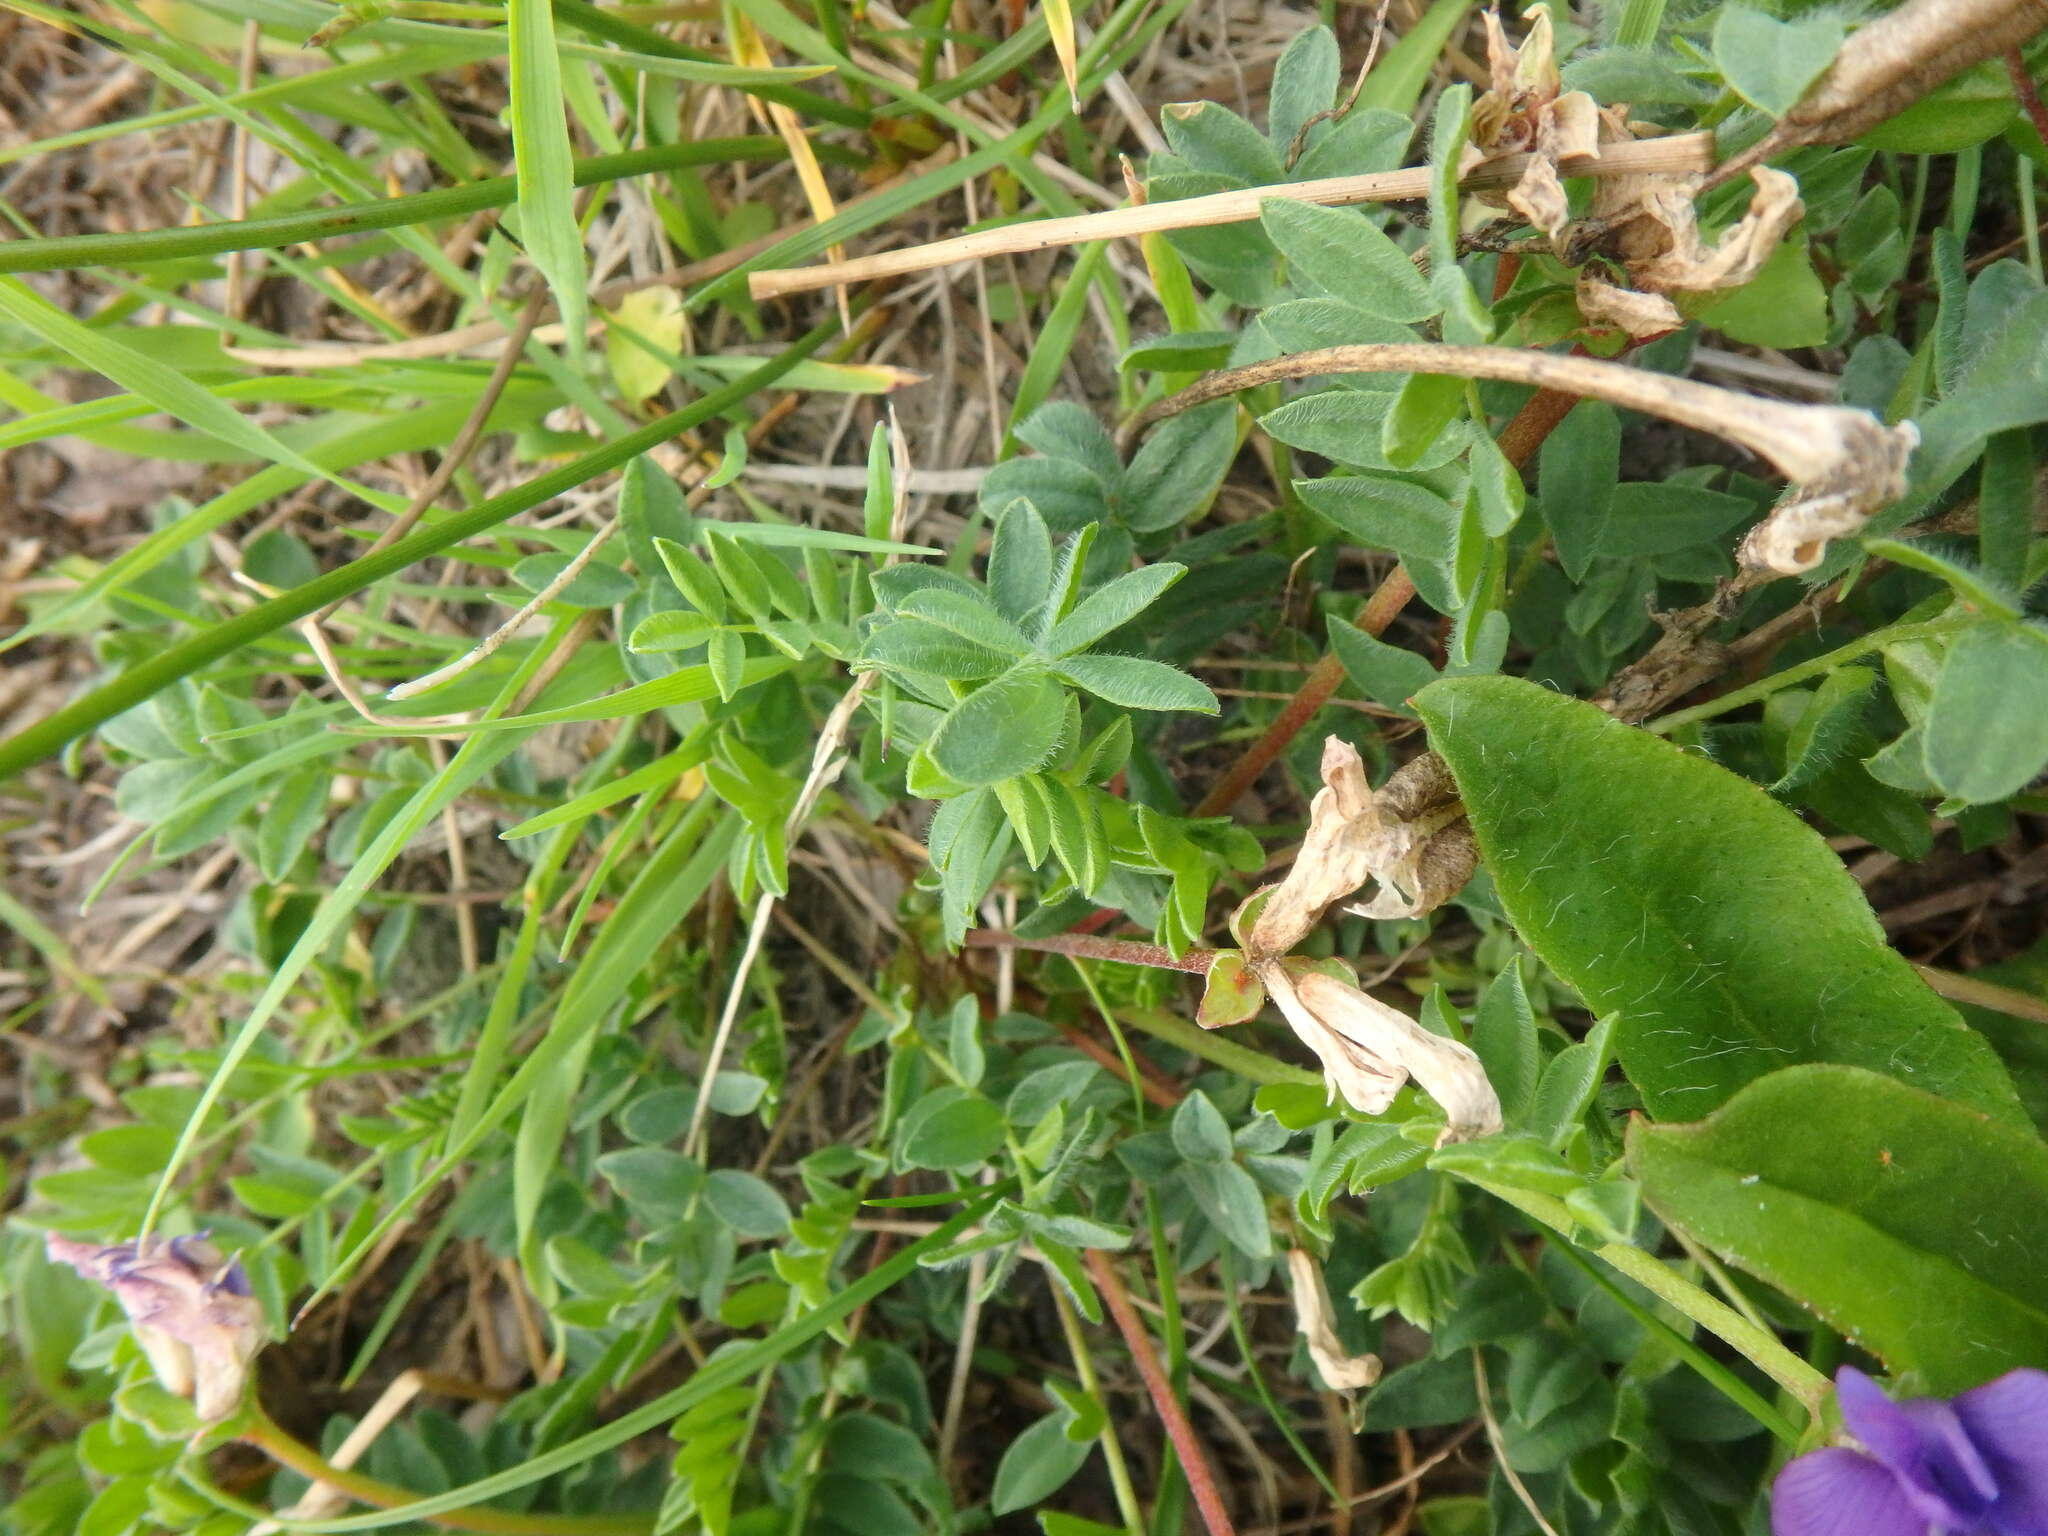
x,y
1784,305
1110,606
597,585
655,316
1659,518
693,578
1037,1465
674,630
1020,562
1721,931
1340,251
1304,84
950,1128
1987,729
1908,1222
1577,471
1136,683
1178,467
1829,721
1390,675
916,646
970,618
750,1206
1229,1198
1381,512
1200,1133
1424,408
1346,425
1770,63
1011,726
1231,994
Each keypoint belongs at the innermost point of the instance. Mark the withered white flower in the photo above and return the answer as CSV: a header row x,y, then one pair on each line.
x,y
1312,1311
191,1312
1410,835
1368,1050
1639,315
1665,253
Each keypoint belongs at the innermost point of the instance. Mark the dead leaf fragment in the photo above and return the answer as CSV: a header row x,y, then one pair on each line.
x,y
1406,836
1340,1369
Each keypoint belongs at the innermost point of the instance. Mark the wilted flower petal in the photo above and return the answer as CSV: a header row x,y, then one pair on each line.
x,y
191,1312
1339,1368
1410,835
1685,264
1977,1466
1639,315
1369,1049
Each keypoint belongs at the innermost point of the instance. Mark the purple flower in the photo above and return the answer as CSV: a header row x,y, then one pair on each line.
x,y
1974,1466
192,1313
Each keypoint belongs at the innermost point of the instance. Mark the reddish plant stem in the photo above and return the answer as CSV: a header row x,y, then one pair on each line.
x,y
2028,93
1201,1482
1160,1092
1312,695
1084,947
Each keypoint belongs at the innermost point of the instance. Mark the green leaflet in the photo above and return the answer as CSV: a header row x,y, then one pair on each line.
x,y
1908,1222
1721,932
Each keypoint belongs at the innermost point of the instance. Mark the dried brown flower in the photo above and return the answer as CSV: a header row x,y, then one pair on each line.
x,y
1411,836
1339,1368
192,1313
1368,1050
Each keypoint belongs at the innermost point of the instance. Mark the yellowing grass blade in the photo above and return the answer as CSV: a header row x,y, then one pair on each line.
x,y
1059,21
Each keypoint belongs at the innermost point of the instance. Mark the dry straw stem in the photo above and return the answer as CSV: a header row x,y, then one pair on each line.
x,y
1843,463
1675,155
1891,63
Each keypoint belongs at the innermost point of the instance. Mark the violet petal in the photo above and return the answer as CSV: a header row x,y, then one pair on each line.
x,y
1924,1445
1835,1492
2008,1421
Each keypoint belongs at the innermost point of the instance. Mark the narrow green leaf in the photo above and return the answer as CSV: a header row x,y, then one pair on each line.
x,y
1011,726
1136,683
1111,606
544,162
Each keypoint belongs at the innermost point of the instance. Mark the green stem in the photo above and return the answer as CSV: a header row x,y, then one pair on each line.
x,y
308,1462
1900,634
126,250
139,682
1758,1345
1216,1050
1713,1371
1112,1448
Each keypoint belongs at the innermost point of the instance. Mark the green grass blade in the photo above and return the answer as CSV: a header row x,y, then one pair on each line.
x,y
67,251
145,678
546,164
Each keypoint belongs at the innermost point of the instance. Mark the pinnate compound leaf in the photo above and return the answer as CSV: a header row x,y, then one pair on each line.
x,y
1009,727
1718,928
1111,605
1135,683
1910,1223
